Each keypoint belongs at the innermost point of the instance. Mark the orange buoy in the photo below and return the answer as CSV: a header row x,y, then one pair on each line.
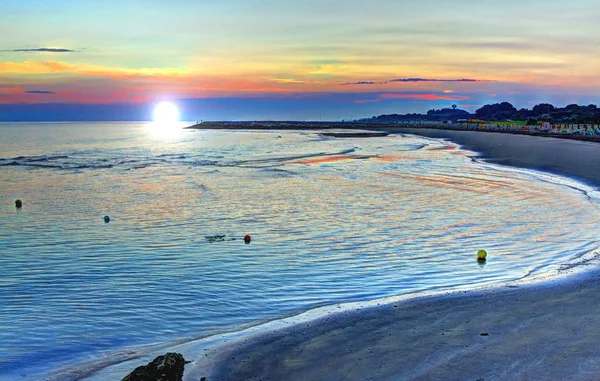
x,y
247,238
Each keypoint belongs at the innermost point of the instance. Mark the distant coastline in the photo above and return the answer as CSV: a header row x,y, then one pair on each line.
x,y
570,122
560,131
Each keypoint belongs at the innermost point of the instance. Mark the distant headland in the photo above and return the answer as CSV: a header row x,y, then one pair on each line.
x,y
503,112
570,122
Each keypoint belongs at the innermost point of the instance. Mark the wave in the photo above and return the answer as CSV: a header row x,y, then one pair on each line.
x,y
277,172
64,166
33,160
100,160
174,155
281,160
37,158
204,163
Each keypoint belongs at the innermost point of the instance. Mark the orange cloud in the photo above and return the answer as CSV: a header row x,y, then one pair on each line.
x,y
114,88
49,67
34,67
11,90
287,80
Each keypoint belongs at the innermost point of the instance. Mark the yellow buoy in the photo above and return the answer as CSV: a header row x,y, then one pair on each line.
x,y
481,255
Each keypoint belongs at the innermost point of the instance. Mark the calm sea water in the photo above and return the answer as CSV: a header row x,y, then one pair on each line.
x,y
331,220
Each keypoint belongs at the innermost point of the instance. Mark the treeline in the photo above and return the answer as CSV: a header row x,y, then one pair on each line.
x,y
543,112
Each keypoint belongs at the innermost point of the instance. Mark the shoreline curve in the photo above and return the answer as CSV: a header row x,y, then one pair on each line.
x,y
318,349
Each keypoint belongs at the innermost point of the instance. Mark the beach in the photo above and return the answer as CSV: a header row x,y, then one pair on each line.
x,y
299,190
546,330
377,221
541,332
572,158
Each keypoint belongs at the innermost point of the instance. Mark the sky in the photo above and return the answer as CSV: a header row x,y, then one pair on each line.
x,y
301,60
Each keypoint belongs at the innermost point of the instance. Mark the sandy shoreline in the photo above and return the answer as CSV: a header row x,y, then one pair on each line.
x,y
576,159
534,332
540,331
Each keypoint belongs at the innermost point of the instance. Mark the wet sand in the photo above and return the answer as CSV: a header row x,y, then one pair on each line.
x,y
577,159
543,331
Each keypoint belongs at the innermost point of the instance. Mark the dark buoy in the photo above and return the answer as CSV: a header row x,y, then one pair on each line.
x,y
247,238
106,219
18,204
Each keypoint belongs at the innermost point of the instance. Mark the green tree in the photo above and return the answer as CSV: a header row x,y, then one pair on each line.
x,y
532,121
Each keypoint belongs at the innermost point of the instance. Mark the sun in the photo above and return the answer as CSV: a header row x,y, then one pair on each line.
x,y
166,112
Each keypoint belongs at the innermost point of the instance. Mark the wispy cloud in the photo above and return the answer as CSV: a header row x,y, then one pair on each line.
x,y
414,96
432,80
39,92
328,68
411,80
363,83
41,50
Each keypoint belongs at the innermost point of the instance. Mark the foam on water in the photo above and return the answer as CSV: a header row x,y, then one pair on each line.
x,y
333,221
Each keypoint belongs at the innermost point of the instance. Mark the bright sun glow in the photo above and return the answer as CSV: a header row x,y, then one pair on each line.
x,y
166,112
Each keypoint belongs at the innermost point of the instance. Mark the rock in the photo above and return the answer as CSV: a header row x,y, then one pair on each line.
x,y
168,367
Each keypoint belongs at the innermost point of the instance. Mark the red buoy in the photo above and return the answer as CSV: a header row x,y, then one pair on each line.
x,y
247,238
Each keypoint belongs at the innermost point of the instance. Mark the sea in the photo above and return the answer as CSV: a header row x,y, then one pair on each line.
x,y
331,220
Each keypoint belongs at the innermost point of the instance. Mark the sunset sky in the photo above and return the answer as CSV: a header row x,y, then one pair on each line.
x,y
267,59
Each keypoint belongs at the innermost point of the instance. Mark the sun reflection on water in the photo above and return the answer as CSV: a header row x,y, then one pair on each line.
x,y
167,131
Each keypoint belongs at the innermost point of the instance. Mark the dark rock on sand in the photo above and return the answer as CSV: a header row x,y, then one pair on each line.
x,y
168,367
